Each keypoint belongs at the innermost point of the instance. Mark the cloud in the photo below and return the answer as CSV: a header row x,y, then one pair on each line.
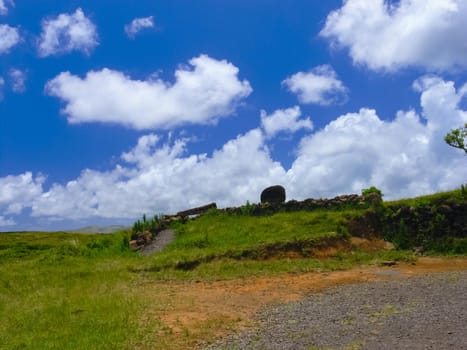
x,y
388,36
157,177
318,86
17,192
284,120
3,7
2,84
6,222
66,33
9,37
201,94
137,25
404,157
18,80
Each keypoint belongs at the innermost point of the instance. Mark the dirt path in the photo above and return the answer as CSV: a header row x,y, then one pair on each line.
x,y
163,238
194,314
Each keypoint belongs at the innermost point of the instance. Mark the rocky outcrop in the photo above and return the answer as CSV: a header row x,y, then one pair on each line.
x,y
197,210
273,195
141,240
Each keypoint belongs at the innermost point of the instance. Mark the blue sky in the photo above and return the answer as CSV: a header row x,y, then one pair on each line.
x,y
112,109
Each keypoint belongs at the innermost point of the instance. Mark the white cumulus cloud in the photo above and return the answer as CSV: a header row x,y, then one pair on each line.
x,y
17,79
66,33
3,6
157,177
404,157
17,192
137,25
388,35
9,37
202,93
284,120
318,86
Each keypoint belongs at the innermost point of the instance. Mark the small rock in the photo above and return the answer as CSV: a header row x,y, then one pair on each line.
x,y
134,245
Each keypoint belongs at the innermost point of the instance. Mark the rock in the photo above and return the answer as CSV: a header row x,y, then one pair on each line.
x,y
292,205
134,245
141,240
373,198
197,210
147,236
273,195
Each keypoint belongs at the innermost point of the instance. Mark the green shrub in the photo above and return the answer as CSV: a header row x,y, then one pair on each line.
x,y
372,189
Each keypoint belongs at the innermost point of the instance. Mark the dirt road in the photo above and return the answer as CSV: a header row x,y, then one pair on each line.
x,y
196,314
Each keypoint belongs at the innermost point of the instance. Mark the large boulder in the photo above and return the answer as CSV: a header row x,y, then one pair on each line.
x,y
273,195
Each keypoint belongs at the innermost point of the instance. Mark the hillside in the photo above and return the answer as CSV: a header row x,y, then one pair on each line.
x,y
68,290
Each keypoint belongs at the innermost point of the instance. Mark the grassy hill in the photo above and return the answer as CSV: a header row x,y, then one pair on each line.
x,y
80,291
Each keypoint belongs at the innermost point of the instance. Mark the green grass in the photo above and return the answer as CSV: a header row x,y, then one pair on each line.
x,y
223,269
455,196
223,246
220,236
67,291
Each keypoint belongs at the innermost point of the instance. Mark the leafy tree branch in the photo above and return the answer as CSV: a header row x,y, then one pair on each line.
x,y
457,138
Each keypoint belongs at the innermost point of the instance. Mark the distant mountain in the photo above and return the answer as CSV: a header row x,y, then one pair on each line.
x,y
100,229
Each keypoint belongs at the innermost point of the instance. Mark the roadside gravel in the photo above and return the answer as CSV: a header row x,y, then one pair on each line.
x,y
421,312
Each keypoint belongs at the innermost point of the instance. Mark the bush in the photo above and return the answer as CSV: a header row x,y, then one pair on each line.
x,y
372,189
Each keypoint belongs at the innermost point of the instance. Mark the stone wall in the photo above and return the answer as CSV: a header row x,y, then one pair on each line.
x,y
339,202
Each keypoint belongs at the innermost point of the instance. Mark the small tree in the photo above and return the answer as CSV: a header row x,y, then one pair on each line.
x,y
457,138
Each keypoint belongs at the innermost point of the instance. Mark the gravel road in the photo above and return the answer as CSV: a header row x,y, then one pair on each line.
x,y
421,312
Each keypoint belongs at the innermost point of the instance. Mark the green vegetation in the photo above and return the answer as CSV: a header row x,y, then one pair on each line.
x,y
222,246
218,235
437,222
457,138
229,268
372,189
67,291
455,196
145,224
